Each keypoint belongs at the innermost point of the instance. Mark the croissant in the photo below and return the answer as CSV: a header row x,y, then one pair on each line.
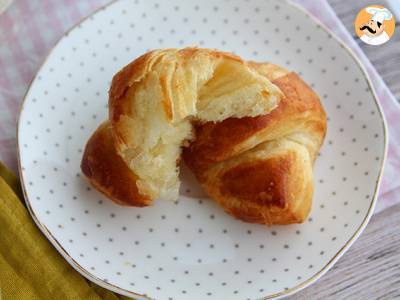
x,y
154,101
259,169
249,132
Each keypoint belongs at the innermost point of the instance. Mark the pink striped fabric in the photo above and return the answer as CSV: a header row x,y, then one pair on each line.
x,y
29,29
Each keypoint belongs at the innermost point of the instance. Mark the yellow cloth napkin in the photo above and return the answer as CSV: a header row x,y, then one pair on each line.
x,y
30,267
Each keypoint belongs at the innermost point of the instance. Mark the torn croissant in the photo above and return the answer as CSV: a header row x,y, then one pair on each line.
x,y
249,132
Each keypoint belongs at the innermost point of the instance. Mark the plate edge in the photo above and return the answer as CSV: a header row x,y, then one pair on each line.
x,y
371,208
46,232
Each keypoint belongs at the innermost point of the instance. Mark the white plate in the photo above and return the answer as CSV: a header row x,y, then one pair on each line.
x,y
193,250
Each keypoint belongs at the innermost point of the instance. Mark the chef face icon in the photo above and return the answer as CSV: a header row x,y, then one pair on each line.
x,y
372,28
374,25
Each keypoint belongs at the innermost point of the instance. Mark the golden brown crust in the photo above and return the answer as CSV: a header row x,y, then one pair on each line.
x,y
270,189
107,172
231,161
260,182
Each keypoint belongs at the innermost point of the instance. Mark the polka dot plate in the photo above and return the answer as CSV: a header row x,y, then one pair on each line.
x,y
192,249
